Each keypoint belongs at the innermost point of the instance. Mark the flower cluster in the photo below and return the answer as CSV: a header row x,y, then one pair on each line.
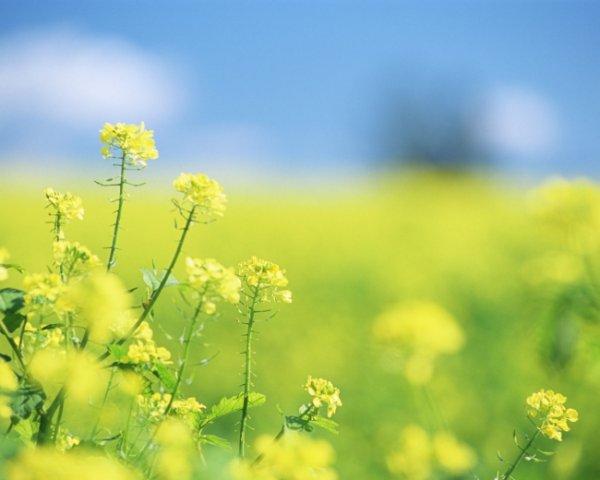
x,y
4,256
266,278
551,408
46,289
188,406
418,455
66,206
74,258
155,405
324,393
205,194
134,141
42,338
213,282
570,210
423,331
298,458
147,353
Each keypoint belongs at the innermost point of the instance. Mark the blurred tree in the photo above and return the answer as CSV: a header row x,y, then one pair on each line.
x,y
432,125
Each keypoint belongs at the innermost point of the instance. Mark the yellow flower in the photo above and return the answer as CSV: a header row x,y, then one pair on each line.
x,y
205,194
136,143
147,353
187,406
323,392
213,282
550,407
4,256
266,277
154,406
47,289
67,206
75,258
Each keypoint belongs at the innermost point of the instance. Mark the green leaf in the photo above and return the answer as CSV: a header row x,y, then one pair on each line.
x,y
13,321
294,422
11,300
117,351
515,438
167,379
16,267
27,398
326,424
230,405
214,440
150,279
24,428
545,453
171,281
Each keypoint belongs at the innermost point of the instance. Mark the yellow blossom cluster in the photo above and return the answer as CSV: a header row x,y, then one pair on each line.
x,y
4,256
42,338
47,289
8,384
66,441
147,353
185,407
266,278
423,331
213,281
67,206
74,258
323,392
551,409
298,458
418,455
47,463
570,210
134,141
155,405
205,194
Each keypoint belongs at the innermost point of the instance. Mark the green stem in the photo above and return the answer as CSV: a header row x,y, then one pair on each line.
x,y
247,376
158,291
113,247
127,428
521,455
108,387
175,392
61,394
186,353
13,345
275,440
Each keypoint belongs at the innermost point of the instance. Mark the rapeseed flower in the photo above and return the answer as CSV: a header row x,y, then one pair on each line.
x,y
74,258
213,282
267,278
550,407
66,206
47,289
134,141
324,393
147,353
205,194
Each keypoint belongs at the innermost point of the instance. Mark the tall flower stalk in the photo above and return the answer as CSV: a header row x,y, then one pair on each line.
x,y
261,283
132,146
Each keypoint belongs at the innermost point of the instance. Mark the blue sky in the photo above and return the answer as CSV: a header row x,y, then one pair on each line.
x,y
247,87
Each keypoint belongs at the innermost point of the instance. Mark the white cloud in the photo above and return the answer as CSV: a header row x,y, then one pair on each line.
x,y
518,121
64,76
